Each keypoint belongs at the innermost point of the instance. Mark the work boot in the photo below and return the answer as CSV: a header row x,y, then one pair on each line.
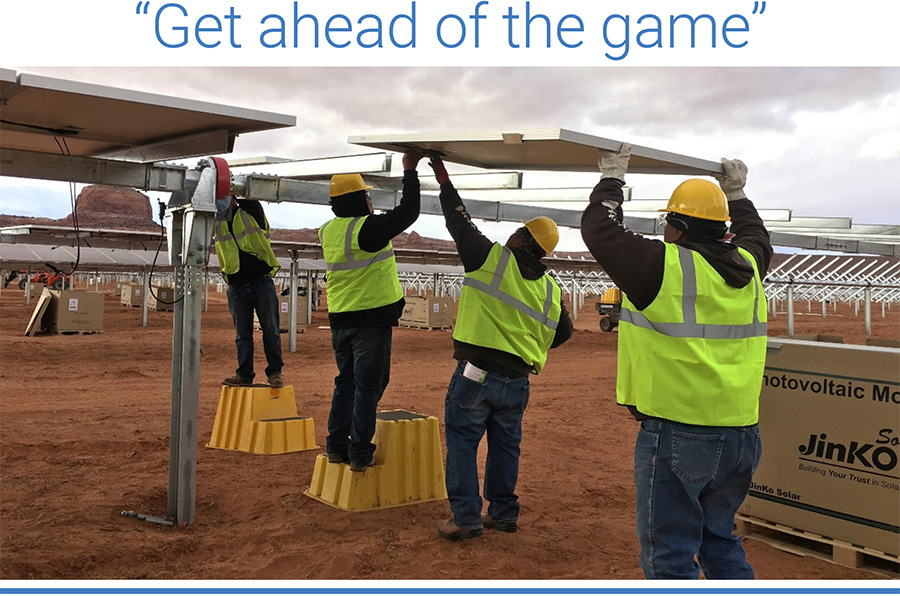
x,y
449,530
337,458
504,525
361,467
275,380
236,381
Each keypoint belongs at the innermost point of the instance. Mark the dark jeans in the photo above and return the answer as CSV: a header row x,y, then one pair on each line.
x,y
495,406
242,301
363,359
690,480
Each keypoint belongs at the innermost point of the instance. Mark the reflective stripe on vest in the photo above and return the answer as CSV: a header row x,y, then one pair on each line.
x,y
248,237
696,354
690,327
352,263
501,310
493,289
357,279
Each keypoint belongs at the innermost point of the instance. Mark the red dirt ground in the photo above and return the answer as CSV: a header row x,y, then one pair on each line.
x,y
84,426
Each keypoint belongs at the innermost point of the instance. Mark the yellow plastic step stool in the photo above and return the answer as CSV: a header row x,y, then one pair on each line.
x,y
408,468
261,419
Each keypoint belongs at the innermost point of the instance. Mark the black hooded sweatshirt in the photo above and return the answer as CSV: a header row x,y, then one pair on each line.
x,y
473,248
374,235
636,264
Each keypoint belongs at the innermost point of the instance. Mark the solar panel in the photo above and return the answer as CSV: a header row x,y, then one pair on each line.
x,y
50,115
546,149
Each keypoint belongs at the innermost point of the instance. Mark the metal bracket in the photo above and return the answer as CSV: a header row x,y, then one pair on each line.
x,y
164,521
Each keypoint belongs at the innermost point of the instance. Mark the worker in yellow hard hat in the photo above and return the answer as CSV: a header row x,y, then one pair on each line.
x,y
510,314
692,349
365,302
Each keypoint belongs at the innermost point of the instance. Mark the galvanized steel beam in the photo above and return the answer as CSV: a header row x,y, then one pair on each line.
x,y
91,170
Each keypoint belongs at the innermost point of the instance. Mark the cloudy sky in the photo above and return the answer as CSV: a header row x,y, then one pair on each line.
x,y
820,141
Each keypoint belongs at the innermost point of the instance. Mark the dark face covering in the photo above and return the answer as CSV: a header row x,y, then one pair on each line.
x,y
696,229
352,204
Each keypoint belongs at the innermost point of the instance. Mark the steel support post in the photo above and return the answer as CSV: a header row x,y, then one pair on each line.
x,y
196,233
824,308
574,302
97,281
790,310
292,325
145,283
176,242
312,296
28,287
868,310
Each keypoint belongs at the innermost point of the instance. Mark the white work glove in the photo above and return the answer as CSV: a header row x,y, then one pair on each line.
x,y
614,164
734,179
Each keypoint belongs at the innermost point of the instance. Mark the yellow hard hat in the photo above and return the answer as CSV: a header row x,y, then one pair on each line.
x,y
699,198
544,231
342,184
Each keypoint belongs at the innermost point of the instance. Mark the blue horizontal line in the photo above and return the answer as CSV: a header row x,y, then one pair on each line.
x,y
426,591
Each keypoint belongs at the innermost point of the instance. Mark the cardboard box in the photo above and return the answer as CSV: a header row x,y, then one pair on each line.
x,y
427,311
284,313
161,299
118,290
71,310
835,339
132,295
829,416
36,289
884,343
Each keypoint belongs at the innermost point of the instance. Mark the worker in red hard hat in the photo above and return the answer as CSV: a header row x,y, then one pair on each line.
x,y
692,349
365,302
510,315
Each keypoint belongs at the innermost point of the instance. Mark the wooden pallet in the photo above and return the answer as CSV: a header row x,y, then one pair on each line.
x,y
75,332
425,327
803,543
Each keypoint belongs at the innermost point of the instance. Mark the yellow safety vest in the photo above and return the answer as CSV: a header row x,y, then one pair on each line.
x,y
245,234
696,354
500,309
357,279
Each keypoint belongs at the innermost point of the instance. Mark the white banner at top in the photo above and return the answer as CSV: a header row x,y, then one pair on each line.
x,y
448,33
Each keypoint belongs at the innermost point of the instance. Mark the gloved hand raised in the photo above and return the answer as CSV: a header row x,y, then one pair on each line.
x,y
440,171
614,164
734,179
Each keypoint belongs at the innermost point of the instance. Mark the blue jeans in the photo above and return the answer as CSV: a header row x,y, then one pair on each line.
x,y
242,301
470,409
690,480
363,359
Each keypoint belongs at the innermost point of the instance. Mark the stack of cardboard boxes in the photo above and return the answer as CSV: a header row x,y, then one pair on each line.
x,y
427,312
284,314
132,295
829,417
67,311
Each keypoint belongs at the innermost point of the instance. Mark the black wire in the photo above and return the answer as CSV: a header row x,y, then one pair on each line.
x,y
162,236
55,131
